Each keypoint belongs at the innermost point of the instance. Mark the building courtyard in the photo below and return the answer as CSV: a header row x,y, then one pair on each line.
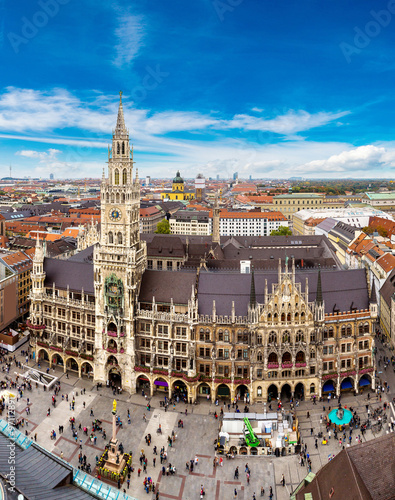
x,y
195,440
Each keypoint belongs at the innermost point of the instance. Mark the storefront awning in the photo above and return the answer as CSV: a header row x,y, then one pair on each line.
x,y
328,387
346,384
364,381
161,383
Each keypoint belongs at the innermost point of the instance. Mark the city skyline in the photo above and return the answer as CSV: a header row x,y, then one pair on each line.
x,y
270,90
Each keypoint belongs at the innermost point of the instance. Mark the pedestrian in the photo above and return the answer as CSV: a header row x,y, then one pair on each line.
x,y
262,491
283,480
235,493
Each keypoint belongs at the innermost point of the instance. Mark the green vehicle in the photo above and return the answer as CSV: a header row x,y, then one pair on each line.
x,y
249,434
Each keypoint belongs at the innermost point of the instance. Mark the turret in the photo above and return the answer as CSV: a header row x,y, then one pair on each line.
x,y
373,302
216,211
319,310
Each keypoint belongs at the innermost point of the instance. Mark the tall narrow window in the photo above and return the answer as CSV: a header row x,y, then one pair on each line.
x,y
110,238
116,176
119,238
123,148
124,176
118,149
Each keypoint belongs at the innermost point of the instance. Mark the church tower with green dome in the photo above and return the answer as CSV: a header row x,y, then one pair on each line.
x,y
178,183
178,191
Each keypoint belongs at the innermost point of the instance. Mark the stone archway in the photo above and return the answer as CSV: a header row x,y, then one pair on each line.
x,y
223,391
115,376
347,384
57,360
272,392
42,355
242,391
204,390
365,380
286,392
180,390
161,385
329,386
300,391
72,364
143,384
87,370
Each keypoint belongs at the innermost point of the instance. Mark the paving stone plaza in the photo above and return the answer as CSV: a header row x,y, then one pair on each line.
x,y
195,439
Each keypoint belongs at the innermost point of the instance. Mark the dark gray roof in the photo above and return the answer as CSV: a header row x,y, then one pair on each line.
x,y
363,472
76,275
83,256
341,289
39,475
388,289
167,285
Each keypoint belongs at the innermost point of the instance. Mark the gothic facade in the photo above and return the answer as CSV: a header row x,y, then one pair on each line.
x,y
204,333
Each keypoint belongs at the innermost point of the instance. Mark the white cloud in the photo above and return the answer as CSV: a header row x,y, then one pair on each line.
x,y
129,35
57,117
364,158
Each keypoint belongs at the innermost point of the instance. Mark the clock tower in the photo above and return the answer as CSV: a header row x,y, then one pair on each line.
x,y
119,262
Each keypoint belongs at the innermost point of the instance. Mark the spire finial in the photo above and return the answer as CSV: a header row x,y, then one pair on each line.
x,y
120,126
252,291
318,297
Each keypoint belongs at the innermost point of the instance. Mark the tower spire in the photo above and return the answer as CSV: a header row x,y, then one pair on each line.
x,y
318,297
120,127
252,291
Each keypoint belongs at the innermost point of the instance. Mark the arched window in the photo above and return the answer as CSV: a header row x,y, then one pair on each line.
x,y
118,148
123,148
259,339
349,330
269,317
360,328
259,356
272,338
299,336
110,238
259,391
123,197
343,331
112,198
124,176
330,332
116,177
366,328
286,337
119,238
117,197
275,317
289,317
220,335
226,336
302,316
296,317
283,317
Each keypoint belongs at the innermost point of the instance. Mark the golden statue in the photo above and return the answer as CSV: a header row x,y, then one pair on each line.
x,y
114,406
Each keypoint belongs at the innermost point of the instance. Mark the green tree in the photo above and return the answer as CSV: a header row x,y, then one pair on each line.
x,y
163,227
281,231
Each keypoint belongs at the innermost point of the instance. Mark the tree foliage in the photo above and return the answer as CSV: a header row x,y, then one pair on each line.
x,y
281,231
163,227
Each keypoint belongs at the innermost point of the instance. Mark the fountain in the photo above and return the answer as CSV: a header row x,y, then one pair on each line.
x,y
340,416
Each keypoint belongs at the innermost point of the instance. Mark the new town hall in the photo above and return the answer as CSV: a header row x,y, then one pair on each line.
x,y
294,324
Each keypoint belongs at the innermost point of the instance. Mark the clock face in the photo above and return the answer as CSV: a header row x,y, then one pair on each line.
x,y
115,214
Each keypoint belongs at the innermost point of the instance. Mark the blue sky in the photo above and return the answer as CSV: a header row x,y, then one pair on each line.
x,y
271,89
